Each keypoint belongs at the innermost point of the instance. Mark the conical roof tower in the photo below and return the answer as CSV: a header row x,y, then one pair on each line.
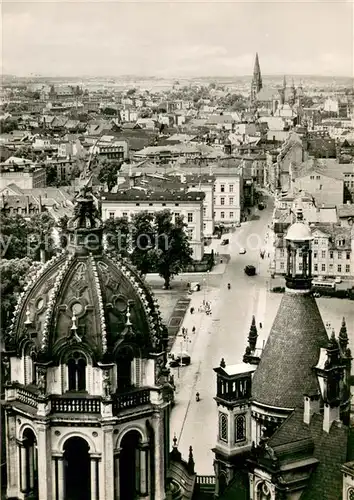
x,y
285,372
257,84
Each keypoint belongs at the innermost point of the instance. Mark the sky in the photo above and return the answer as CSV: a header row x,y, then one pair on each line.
x,y
177,39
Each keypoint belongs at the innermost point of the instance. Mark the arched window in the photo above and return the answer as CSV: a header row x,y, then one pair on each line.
x,y
223,424
351,494
124,368
76,364
263,492
240,428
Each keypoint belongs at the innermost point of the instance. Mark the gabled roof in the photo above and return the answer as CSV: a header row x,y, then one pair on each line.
x,y
285,372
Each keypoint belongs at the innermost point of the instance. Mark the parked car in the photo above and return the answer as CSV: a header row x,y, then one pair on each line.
x,y
180,360
338,280
238,224
242,251
250,270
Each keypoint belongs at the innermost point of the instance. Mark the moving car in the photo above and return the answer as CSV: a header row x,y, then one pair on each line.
x,y
183,359
225,241
250,270
242,251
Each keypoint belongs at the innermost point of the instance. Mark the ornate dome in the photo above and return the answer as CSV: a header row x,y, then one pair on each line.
x,y
299,231
82,296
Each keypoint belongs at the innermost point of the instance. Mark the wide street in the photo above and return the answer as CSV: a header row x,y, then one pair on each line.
x,y
223,334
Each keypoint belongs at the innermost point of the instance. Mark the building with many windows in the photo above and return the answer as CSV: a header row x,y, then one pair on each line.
x,y
228,197
189,204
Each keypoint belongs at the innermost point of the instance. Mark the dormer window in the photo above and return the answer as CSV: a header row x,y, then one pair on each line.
x,y
76,364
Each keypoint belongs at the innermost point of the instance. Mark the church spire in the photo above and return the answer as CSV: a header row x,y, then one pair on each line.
x,y
256,80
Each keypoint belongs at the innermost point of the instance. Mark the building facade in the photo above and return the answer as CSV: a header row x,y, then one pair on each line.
x,y
23,178
86,389
187,204
228,198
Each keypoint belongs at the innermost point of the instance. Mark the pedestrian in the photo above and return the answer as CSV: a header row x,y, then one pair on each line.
x,y
183,331
260,325
192,310
193,329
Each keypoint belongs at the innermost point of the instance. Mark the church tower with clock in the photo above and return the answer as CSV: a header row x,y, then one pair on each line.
x,y
87,396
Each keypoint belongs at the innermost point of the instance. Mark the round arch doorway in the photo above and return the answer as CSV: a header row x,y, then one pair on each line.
x,y
77,469
129,465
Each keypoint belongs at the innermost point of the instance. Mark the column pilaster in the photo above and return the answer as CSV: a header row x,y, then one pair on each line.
x,y
61,479
144,469
23,468
94,479
44,462
107,474
157,423
116,474
12,450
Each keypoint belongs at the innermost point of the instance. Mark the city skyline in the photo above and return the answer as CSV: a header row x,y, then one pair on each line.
x,y
69,39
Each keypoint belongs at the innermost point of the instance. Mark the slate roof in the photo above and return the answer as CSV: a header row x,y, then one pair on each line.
x,y
330,449
136,194
285,372
238,489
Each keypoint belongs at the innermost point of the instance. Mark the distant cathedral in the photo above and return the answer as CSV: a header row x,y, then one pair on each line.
x,y
270,98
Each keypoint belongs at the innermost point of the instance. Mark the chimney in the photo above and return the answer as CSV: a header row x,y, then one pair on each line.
x,y
40,203
311,406
27,205
331,414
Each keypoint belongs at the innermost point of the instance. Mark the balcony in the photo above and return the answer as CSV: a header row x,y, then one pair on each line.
x,y
131,399
27,397
76,404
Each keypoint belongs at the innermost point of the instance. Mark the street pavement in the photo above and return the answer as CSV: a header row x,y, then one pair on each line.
x,y
223,334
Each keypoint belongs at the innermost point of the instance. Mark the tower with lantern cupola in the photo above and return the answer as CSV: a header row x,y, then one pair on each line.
x,y
87,392
233,443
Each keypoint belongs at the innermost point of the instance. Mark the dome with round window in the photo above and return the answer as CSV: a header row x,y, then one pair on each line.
x,y
85,298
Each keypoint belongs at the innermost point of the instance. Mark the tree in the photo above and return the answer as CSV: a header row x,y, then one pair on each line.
x,y
143,241
173,251
9,125
13,234
116,233
109,111
108,173
40,231
13,274
51,175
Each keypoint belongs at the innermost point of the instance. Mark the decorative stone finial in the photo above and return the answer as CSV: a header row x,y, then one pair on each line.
x,y
74,322
222,363
190,461
174,441
128,322
28,314
253,334
343,335
299,215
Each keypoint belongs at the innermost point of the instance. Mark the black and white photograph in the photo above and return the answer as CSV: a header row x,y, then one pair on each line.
x,y
177,250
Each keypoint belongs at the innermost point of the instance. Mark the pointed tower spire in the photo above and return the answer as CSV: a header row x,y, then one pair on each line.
x,y
257,84
253,334
222,363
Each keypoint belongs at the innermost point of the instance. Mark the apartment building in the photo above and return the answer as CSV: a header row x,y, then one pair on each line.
x,y
25,177
126,203
228,197
332,251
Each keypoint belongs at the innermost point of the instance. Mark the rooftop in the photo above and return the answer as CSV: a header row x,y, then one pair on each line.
x,y
146,195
